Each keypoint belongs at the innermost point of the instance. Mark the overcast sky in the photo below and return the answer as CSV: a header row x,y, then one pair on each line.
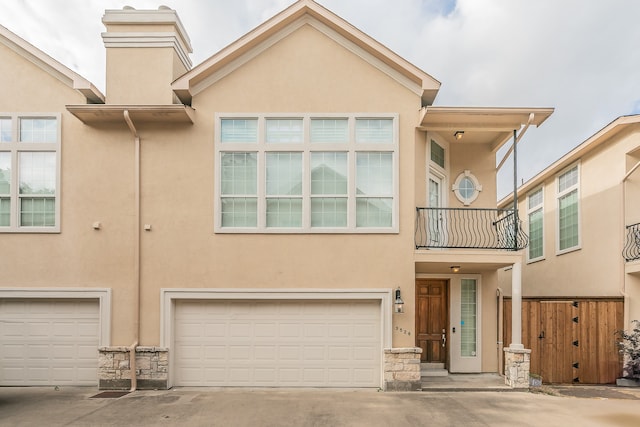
x,y
581,57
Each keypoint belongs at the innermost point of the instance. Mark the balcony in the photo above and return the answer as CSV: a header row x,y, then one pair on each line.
x,y
631,251
462,228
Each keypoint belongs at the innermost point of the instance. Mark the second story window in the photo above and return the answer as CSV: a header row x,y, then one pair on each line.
x,y
535,213
568,185
437,154
29,173
306,174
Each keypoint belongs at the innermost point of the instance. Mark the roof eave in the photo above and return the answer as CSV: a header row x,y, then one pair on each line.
x,y
51,66
610,130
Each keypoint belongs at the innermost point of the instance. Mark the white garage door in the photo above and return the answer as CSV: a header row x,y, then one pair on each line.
x,y
48,342
277,343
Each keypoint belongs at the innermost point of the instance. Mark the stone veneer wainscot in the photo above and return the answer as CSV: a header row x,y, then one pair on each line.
x,y
114,370
402,369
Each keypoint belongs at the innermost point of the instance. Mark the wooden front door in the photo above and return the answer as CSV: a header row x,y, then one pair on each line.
x,y
432,319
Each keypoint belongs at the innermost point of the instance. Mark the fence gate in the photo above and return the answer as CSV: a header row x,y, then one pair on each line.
x,y
571,340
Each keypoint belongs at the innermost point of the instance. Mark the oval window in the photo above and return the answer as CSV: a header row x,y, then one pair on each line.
x,y
466,187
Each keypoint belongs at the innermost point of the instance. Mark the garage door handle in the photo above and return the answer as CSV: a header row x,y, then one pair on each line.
x,y
541,336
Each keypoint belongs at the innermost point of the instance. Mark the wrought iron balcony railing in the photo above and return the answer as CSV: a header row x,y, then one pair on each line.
x,y
472,228
631,251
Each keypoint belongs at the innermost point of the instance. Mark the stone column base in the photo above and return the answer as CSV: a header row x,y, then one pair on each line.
x,y
114,371
402,369
517,364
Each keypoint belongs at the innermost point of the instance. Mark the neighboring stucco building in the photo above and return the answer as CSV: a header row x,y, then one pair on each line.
x,y
581,272
250,221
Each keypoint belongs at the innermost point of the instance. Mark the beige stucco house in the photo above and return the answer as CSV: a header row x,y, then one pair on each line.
x,y
294,211
581,270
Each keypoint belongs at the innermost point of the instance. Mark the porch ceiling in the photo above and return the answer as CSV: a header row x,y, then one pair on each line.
x,y
493,126
441,261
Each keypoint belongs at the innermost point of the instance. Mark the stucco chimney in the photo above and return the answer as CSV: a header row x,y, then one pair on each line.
x,y
146,51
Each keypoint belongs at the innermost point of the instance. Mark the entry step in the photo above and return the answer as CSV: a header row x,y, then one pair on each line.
x,y
425,366
433,370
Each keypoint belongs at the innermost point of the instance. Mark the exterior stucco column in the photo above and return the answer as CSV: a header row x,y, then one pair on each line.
x,y
516,307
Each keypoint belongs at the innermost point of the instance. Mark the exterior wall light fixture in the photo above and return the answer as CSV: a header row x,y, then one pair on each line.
x,y
455,268
398,305
458,135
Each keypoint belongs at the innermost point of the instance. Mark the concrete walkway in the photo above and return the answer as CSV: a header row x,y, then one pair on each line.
x,y
466,382
75,406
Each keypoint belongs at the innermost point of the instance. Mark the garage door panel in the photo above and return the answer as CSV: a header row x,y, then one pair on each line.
x,y
314,352
45,342
265,352
272,343
266,330
87,330
216,330
88,353
363,375
215,352
315,330
13,329
240,330
364,353
290,330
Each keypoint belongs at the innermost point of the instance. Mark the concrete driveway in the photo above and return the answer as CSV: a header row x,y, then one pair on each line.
x,y
75,406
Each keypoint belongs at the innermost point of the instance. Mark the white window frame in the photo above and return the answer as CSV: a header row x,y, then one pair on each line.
x,y
477,188
16,147
531,210
433,164
261,147
559,195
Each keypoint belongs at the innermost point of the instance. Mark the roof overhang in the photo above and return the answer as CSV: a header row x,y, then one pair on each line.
x,y
194,81
480,125
97,114
51,66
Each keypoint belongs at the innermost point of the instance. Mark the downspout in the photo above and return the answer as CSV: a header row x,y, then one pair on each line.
x,y
136,317
515,189
500,342
623,282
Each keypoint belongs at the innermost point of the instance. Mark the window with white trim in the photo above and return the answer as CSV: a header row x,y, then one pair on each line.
x,y
311,173
437,154
466,187
29,173
468,317
568,185
535,213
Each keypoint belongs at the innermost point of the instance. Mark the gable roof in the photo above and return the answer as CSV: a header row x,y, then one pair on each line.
x,y
305,11
51,66
594,141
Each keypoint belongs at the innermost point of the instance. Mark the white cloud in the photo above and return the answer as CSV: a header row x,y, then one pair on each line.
x,y
577,56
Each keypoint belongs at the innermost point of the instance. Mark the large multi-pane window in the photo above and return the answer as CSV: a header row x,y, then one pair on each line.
x,y
29,173
306,174
568,209
535,211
